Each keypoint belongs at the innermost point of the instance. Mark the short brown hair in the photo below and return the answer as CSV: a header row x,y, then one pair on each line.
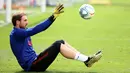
x,y
16,17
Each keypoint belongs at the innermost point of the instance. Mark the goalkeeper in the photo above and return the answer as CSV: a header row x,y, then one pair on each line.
x,y
22,48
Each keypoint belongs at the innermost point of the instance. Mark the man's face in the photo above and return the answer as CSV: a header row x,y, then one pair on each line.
x,y
23,23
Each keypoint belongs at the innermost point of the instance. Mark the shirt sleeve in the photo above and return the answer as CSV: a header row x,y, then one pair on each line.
x,y
38,28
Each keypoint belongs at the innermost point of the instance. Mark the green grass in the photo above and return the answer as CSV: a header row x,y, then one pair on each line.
x,y
2,16
108,30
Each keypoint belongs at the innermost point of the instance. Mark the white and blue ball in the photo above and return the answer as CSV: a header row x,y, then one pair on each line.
x,y
86,11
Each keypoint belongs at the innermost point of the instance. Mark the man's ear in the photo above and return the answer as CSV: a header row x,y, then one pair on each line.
x,y
17,22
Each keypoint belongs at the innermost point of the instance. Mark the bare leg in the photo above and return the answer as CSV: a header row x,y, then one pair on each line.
x,y
69,46
71,53
67,52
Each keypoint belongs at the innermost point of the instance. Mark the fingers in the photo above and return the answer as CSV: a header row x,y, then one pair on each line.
x,y
59,8
61,11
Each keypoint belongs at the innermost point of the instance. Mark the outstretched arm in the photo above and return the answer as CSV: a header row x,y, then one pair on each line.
x,y
43,25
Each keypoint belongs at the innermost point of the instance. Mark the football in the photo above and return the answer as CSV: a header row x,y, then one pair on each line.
x,y
86,11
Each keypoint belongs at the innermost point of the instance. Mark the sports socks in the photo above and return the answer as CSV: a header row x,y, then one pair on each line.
x,y
81,57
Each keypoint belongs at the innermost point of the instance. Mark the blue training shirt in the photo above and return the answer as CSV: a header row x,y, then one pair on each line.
x,y
21,45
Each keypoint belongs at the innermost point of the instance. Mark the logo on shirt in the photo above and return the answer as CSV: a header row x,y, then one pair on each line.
x,y
29,43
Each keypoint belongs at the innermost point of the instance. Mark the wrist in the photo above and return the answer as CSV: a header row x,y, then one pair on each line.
x,y
55,15
52,18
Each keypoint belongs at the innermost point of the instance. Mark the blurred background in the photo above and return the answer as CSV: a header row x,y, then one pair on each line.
x,y
8,7
108,30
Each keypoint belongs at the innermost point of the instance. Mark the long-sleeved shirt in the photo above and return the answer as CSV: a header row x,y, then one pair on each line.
x,y
21,45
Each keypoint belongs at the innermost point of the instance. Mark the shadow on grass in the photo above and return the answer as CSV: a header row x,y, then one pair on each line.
x,y
56,72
